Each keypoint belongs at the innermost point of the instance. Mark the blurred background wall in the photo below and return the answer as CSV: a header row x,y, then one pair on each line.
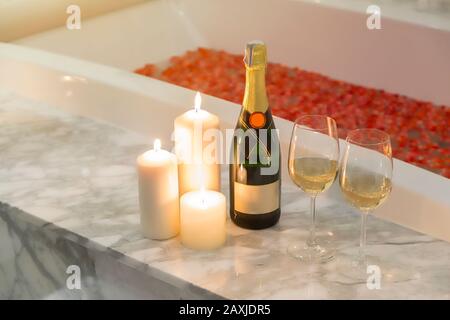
x,y
20,18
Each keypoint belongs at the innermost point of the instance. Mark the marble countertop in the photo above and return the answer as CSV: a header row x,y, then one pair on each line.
x,y
78,175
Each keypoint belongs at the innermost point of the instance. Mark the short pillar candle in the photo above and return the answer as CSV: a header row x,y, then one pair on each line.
x,y
203,219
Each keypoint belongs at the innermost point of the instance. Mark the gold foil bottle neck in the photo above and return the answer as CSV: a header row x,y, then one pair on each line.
x,y
255,96
255,54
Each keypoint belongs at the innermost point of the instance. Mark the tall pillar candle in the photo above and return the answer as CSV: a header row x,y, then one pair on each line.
x,y
198,149
158,193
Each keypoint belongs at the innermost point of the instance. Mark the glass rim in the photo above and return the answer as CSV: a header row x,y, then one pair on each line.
x,y
313,116
385,136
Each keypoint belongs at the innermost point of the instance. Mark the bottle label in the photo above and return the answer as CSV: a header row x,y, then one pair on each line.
x,y
256,199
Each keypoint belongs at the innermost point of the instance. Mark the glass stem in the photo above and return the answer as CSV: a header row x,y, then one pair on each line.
x,y
362,239
312,227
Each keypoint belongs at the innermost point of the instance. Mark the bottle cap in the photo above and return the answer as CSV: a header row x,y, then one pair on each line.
x,y
255,54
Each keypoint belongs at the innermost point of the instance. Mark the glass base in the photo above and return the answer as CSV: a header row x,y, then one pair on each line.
x,y
315,253
369,268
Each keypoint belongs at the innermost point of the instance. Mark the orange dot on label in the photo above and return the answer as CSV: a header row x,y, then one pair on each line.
x,y
257,120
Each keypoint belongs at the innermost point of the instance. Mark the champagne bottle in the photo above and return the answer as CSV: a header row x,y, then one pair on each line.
x,y
255,177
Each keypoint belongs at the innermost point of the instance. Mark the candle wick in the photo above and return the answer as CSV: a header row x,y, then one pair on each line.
x,y
198,102
157,145
203,197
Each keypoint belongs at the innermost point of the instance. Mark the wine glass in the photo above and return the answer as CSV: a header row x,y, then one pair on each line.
x,y
365,180
313,165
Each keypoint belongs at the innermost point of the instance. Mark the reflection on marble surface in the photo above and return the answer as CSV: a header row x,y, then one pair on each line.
x,y
73,181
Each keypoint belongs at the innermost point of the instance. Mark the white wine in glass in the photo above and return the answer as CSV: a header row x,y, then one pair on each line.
x,y
313,165
365,190
314,174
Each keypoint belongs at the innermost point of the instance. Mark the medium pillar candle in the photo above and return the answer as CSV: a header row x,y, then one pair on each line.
x,y
158,193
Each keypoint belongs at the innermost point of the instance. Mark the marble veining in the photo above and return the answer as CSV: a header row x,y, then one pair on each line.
x,y
73,179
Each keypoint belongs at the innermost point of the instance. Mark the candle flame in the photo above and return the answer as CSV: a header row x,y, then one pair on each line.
x,y
157,145
198,102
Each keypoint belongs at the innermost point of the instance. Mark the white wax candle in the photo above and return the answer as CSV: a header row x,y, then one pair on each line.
x,y
197,147
203,219
158,193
